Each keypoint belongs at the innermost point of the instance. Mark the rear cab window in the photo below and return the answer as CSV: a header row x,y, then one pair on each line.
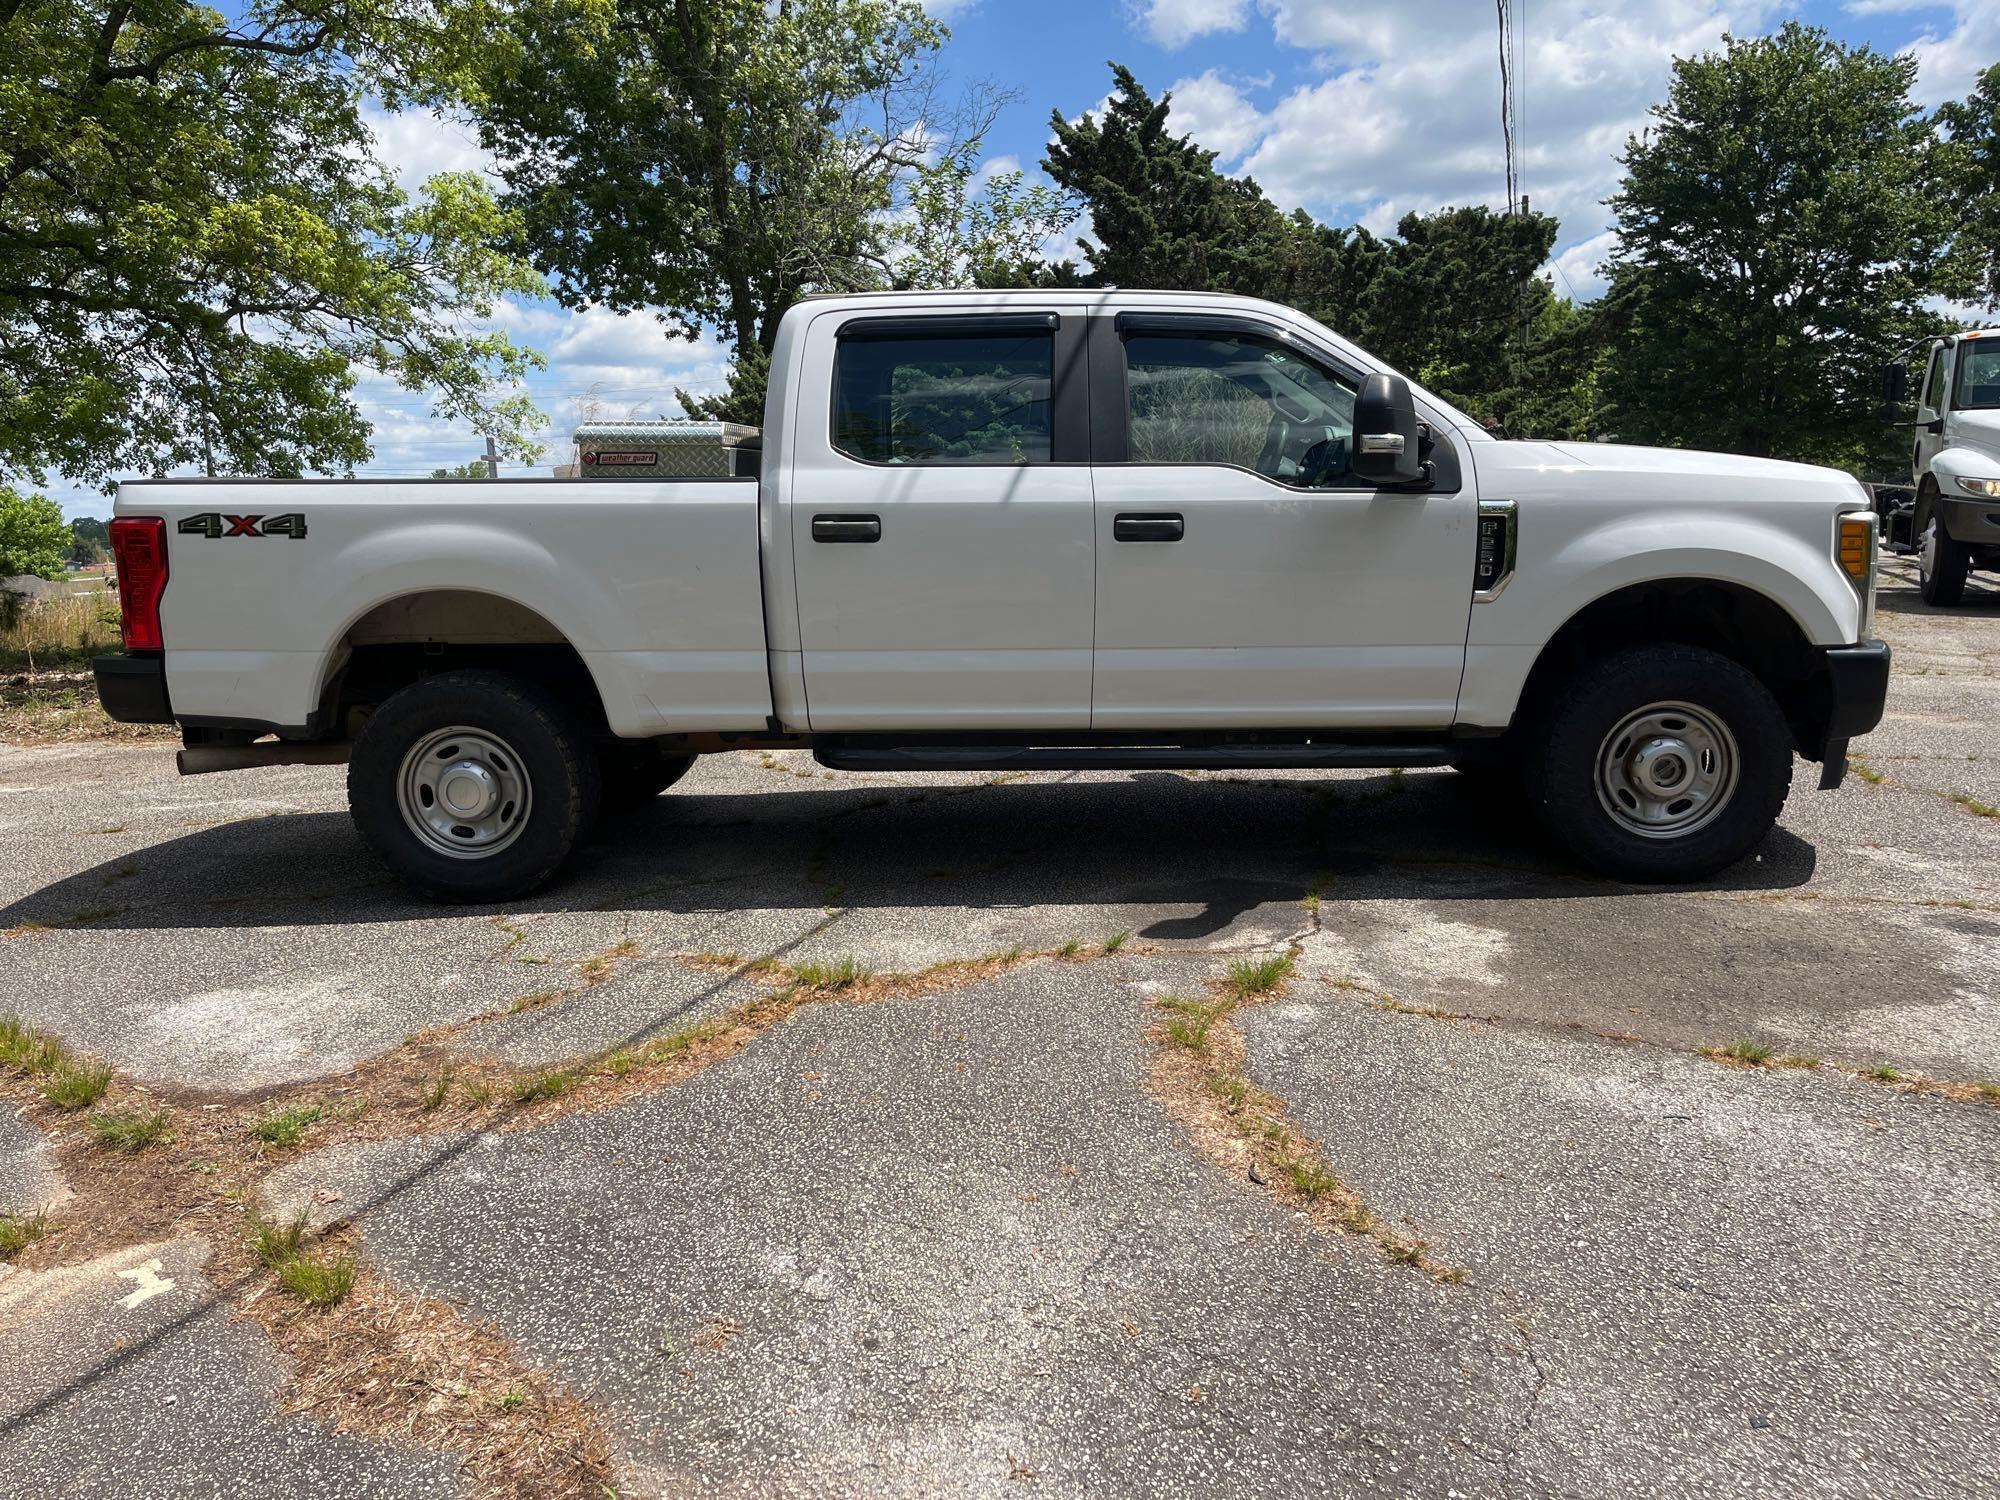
x,y
912,391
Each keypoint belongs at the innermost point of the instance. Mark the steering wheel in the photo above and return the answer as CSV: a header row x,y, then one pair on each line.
x,y
1322,461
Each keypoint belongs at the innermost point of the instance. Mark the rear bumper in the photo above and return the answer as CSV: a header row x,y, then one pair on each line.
x,y
133,689
1857,685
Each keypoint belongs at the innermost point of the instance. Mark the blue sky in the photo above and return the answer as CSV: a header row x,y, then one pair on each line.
x,y
1357,112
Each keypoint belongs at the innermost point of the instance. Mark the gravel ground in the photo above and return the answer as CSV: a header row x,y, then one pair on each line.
x,y
950,1243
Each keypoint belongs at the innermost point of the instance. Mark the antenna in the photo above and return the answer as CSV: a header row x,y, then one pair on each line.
x,y
1504,10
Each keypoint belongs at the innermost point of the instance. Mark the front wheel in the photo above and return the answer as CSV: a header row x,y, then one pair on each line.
x,y
1662,763
472,786
1941,564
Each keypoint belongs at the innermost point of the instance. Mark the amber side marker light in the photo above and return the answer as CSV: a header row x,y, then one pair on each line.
x,y
1857,546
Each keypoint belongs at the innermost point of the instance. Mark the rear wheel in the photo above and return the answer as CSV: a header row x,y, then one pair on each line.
x,y
1941,562
471,786
1662,763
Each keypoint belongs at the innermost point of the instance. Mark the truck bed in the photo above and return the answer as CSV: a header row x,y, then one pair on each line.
x,y
654,583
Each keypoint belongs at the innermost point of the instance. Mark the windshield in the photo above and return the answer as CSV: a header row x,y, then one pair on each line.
x,y
1978,380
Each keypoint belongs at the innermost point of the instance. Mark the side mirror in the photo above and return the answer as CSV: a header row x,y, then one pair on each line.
x,y
1895,390
1387,441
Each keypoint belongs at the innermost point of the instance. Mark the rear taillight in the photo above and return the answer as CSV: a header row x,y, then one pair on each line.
x,y
139,548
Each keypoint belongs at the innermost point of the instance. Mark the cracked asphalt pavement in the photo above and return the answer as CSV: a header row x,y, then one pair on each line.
x,y
947,1242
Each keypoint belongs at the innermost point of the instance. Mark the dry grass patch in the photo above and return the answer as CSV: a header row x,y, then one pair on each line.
x,y
1198,1074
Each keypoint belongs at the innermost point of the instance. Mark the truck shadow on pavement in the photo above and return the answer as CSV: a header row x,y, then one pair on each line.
x,y
1190,857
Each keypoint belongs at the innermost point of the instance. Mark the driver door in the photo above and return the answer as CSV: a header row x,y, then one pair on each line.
x,y
1245,577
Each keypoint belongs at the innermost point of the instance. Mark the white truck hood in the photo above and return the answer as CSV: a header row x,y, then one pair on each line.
x,y
1631,476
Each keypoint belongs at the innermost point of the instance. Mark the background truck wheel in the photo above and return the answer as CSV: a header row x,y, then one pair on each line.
x,y
472,786
1941,562
1662,763
634,773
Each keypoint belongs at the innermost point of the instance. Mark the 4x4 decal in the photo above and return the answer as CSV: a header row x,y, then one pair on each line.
x,y
212,524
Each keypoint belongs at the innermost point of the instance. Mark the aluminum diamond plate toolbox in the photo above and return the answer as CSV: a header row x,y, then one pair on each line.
x,y
684,449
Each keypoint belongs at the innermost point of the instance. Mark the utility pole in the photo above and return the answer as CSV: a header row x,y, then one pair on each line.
x,y
492,458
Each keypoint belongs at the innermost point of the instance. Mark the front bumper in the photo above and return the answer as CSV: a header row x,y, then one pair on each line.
x,y
1974,522
133,689
1857,685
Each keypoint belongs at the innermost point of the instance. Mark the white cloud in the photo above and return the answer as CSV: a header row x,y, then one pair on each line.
x,y
1949,64
1175,23
416,145
1404,114
1215,112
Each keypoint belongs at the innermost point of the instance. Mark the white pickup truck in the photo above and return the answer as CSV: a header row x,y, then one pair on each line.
x,y
1041,530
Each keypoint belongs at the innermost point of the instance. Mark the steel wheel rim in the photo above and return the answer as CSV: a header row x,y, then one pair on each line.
x,y
1667,770
464,792
1927,551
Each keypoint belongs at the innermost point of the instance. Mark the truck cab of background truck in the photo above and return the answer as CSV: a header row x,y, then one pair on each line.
x,y
1954,458
1036,530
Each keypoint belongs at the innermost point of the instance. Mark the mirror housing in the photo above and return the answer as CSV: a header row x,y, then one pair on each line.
x,y
1895,390
1388,442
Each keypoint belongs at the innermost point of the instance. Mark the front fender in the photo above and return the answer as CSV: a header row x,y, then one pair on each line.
x,y
1577,559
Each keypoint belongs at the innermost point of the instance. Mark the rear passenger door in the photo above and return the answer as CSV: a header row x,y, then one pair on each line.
x,y
942,524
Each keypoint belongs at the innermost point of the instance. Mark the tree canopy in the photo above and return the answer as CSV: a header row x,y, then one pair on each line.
x,y
1780,225
1973,172
34,538
198,245
1455,298
716,162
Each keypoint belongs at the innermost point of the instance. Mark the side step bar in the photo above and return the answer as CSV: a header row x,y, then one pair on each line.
x,y
1127,757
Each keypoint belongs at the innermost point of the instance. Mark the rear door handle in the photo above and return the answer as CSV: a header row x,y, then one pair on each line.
x,y
1148,526
847,528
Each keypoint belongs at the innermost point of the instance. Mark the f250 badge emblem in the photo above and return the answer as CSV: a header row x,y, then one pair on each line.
x,y
213,524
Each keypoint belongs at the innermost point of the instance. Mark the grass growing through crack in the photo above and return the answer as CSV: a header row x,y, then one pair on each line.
x,y
319,1280
551,1084
18,1231
286,1127
1756,1054
831,974
1259,976
1198,1073
1885,1073
1974,806
75,1085
438,1090
130,1132
1117,940
33,1052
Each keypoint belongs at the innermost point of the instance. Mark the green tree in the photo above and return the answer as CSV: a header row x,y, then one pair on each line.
x,y
1779,227
198,247
34,538
1162,215
90,541
1456,299
718,161
1973,167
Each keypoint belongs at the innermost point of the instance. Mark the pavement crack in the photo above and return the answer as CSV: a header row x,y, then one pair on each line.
x,y
1198,1074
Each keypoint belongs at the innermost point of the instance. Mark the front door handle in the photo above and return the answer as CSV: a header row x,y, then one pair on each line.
x,y
847,528
1148,526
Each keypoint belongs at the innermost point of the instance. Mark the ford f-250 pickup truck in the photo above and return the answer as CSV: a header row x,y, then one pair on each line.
x,y
1028,530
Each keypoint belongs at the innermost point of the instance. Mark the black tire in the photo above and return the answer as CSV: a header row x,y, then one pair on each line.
x,y
1942,563
634,772
547,747
1609,696
1491,766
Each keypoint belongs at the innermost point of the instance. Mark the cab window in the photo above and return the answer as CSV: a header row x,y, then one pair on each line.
x,y
1933,397
949,399
1238,399
1978,382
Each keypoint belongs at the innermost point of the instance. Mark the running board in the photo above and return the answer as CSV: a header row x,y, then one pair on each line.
x,y
1128,757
